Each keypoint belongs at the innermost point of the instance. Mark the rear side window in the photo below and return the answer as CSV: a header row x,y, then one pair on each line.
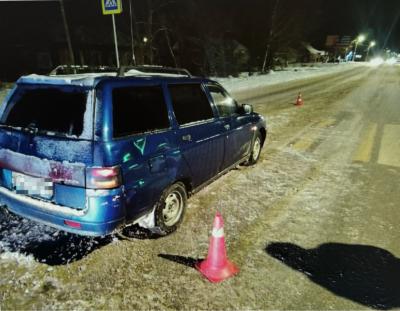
x,y
190,103
48,109
139,110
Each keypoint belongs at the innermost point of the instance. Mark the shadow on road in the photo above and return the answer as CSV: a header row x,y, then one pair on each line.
x,y
45,244
135,232
186,261
365,274
63,249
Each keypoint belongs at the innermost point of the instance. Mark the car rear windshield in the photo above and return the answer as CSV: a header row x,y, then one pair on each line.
x,y
48,109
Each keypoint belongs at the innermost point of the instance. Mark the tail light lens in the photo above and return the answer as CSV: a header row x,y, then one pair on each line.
x,y
103,177
72,224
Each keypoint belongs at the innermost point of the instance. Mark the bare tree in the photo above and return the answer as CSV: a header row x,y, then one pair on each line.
x,y
171,50
152,27
67,33
271,34
290,24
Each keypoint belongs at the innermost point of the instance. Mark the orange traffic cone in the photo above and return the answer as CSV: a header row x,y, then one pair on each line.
x,y
217,267
299,101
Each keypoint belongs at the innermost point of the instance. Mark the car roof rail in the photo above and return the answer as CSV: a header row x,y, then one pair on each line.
x,y
79,69
141,69
153,69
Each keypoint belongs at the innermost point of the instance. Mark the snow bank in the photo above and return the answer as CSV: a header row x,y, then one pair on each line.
x,y
21,259
3,93
277,77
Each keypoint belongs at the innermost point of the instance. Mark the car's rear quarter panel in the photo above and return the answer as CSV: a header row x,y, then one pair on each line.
x,y
150,162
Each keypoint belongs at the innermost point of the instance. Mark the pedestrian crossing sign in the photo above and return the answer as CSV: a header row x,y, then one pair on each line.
x,y
111,6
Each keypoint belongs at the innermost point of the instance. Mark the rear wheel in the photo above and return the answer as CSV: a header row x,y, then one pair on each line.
x,y
170,209
255,149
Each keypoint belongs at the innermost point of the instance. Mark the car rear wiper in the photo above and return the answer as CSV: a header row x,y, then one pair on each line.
x,y
31,128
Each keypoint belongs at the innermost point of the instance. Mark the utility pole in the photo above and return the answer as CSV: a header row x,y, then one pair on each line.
x,y
371,45
67,34
131,19
359,39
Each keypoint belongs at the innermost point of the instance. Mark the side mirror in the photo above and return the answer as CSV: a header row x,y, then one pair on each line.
x,y
246,109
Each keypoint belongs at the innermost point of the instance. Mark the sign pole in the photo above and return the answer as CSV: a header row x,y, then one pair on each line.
x,y
115,40
113,7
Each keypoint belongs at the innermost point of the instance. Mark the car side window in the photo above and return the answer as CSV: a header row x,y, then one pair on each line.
x,y
225,104
190,103
139,110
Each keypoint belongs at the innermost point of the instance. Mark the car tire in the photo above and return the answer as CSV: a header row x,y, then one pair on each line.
x,y
170,209
256,147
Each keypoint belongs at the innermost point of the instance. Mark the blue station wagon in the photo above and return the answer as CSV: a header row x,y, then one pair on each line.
x,y
92,153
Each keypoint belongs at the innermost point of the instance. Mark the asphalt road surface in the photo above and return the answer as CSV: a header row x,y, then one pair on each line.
x,y
314,225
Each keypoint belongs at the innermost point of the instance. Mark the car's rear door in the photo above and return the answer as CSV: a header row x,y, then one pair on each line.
x,y
199,133
46,142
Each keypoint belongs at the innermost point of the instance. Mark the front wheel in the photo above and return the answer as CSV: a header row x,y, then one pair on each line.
x,y
255,150
170,209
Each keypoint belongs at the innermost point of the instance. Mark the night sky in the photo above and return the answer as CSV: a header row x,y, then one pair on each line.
x,y
28,23
376,17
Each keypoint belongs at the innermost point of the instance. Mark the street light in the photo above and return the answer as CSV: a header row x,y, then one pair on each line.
x,y
360,39
371,45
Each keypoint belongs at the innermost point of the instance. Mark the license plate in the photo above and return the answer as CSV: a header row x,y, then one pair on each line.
x,y
32,186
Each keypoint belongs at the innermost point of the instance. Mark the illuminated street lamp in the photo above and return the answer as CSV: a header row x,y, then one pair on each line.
x,y
371,45
360,39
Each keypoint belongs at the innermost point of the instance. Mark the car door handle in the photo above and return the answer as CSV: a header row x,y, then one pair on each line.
x,y
227,126
187,137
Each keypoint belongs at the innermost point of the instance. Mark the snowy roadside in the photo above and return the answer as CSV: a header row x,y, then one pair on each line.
x,y
245,82
242,83
4,89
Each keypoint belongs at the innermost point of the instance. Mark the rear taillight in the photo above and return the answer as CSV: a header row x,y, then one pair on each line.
x,y
72,224
103,177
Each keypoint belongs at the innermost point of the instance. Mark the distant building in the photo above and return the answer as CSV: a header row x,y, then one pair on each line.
x,y
314,54
339,46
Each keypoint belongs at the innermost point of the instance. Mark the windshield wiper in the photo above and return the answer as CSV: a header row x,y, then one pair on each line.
x,y
32,128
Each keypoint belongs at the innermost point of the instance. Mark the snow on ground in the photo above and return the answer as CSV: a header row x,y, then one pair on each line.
x,y
18,235
245,82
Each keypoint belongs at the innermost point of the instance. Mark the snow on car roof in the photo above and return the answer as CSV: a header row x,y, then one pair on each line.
x,y
86,79
90,79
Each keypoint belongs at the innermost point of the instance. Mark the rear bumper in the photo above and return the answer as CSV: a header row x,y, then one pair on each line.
x,y
104,212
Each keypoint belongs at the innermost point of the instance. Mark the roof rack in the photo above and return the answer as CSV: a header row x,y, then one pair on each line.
x,y
145,69
154,69
77,69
